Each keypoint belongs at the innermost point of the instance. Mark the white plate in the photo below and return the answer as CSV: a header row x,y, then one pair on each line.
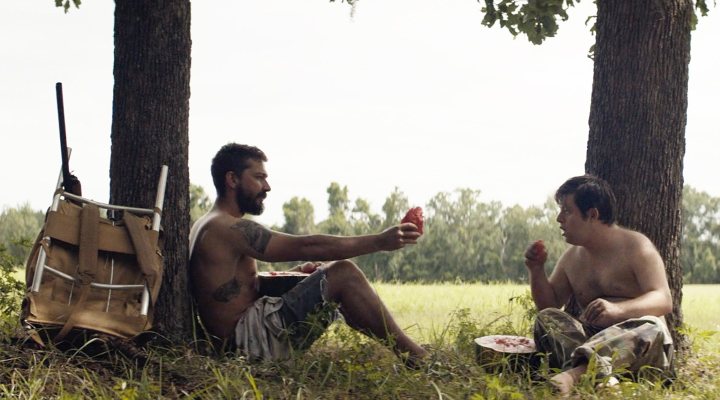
x,y
507,343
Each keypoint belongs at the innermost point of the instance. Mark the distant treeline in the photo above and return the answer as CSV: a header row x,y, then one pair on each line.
x,y
469,240
465,239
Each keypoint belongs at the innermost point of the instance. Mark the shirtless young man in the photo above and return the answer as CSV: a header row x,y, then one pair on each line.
x,y
224,248
617,277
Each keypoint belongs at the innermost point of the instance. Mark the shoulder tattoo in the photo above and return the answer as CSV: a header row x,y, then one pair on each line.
x,y
225,292
256,235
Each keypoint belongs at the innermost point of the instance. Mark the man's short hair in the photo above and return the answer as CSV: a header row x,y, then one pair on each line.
x,y
232,157
590,192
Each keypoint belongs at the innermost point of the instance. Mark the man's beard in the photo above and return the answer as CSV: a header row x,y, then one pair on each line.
x,y
250,204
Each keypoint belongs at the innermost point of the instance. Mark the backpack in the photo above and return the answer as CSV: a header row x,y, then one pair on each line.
x,y
87,271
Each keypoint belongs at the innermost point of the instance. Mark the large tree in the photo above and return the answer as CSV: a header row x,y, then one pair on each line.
x,y
150,128
637,120
638,109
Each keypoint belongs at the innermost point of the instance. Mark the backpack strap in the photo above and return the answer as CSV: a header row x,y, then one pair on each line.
x,y
144,251
87,262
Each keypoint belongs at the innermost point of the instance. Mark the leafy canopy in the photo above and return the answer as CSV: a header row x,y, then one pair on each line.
x,y
65,4
538,19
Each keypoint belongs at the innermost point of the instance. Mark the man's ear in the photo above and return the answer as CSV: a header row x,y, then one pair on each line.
x,y
231,180
593,213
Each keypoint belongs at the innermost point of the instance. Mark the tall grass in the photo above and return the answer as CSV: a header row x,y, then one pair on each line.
x,y
344,364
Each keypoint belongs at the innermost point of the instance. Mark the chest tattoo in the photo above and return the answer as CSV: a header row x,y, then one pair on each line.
x,y
227,291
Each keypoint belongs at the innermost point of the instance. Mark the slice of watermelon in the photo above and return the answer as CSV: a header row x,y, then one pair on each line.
x,y
507,343
415,216
497,352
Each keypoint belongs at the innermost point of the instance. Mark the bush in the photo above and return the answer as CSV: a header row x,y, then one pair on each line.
x,y
11,291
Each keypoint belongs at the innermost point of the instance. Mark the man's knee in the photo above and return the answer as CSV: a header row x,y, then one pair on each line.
x,y
551,321
344,268
344,274
550,314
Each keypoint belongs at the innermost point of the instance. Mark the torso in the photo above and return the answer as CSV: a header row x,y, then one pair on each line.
x,y
608,276
224,282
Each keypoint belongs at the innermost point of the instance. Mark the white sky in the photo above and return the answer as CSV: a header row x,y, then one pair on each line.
x,y
409,93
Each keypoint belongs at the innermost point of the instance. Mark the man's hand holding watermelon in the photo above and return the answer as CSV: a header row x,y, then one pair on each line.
x,y
408,232
414,216
535,256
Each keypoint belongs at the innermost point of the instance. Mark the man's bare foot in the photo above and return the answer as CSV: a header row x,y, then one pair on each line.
x,y
562,383
418,358
611,382
566,380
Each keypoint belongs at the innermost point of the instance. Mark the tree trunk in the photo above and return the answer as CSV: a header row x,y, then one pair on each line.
x,y
150,128
637,121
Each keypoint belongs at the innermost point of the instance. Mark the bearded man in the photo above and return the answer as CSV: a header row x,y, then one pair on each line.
x,y
225,247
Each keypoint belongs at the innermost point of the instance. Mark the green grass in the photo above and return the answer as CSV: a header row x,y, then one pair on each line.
x,y
425,311
344,364
701,306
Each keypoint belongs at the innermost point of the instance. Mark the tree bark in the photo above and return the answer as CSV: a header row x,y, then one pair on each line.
x,y
150,128
637,121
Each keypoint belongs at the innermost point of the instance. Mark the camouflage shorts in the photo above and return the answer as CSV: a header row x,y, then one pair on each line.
x,y
629,345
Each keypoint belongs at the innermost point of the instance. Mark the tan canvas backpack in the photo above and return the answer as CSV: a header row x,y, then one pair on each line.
x,y
97,273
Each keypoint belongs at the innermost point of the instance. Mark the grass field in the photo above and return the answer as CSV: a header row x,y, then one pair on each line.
x,y
425,309
345,365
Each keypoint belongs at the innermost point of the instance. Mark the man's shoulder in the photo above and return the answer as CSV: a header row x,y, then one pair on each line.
x,y
637,246
625,231
210,223
573,250
221,229
633,238
214,220
570,257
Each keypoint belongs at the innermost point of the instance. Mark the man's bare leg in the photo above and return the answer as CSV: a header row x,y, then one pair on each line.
x,y
363,309
566,380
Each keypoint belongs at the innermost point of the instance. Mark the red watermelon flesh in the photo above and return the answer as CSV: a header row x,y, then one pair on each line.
x,y
415,216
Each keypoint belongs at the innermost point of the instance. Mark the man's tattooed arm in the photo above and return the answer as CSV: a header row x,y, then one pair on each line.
x,y
225,292
256,235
